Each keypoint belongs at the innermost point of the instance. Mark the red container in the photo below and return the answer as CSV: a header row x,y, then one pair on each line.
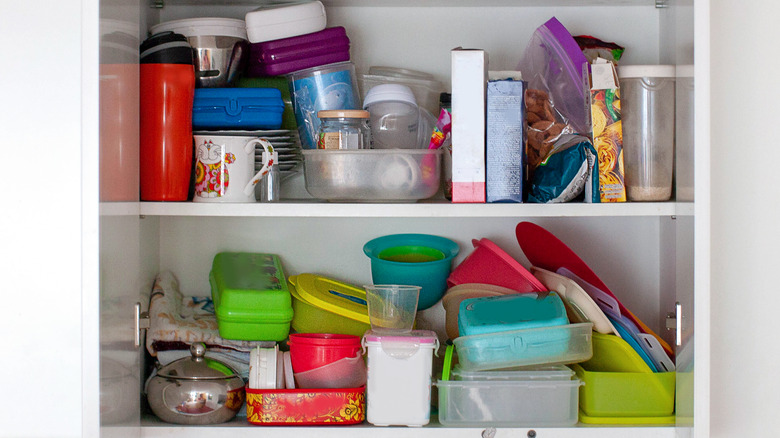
x,y
314,407
313,350
489,264
166,96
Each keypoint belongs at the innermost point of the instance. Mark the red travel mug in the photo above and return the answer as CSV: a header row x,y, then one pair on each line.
x,y
167,79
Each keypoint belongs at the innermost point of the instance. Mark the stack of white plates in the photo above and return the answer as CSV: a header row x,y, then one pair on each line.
x,y
286,142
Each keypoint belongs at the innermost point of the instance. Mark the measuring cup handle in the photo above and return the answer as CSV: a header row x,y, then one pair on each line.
x,y
267,147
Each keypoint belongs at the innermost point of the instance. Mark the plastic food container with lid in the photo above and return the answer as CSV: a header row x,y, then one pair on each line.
x,y
456,294
510,312
237,108
220,46
285,20
648,110
279,57
325,305
394,117
426,89
545,396
399,377
561,344
251,299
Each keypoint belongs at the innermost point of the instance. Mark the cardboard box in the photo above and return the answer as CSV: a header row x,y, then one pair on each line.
x,y
505,141
607,130
469,88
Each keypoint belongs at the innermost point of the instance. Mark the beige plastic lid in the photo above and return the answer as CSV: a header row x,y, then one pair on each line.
x,y
343,114
646,71
279,20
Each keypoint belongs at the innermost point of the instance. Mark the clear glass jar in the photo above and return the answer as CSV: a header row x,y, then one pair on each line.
x,y
344,129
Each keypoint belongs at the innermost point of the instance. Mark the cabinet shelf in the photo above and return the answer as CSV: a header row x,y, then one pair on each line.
x,y
238,428
422,209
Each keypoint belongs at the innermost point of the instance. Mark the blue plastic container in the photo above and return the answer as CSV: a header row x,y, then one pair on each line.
x,y
237,108
414,259
503,313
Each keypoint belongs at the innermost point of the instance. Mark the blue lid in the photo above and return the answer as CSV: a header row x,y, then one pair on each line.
x,y
510,312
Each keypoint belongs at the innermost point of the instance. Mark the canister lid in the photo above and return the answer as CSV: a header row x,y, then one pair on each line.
x,y
166,48
205,26
343,114
422,337
389,93
645,71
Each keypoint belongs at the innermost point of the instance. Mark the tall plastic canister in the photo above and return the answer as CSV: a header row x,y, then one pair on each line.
x,y
398,390
647,99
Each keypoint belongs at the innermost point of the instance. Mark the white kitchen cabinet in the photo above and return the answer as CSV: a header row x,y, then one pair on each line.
x,y
65,280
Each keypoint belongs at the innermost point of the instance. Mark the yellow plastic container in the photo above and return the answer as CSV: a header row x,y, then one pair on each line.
x,y
620,388
325,305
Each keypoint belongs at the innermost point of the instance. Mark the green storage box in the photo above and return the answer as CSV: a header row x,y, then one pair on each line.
x,y
251,298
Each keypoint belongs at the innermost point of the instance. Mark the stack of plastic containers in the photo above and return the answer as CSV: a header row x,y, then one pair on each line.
x,y
293,40
630,379
513,338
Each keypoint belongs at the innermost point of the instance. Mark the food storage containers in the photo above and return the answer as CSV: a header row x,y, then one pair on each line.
x,y
425,87
251,299
648,104
311,407
325,87
510,312
399,378
372,175
394,117
326,305
544,396
490,264
237,108
281,20
279,57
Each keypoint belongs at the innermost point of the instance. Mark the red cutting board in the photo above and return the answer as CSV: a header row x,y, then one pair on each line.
x,y
546,251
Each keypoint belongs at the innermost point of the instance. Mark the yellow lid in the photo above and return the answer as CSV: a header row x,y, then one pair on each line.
x,y
332,295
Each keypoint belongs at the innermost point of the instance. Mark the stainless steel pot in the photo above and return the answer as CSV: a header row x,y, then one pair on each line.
x,y
196,390
218,59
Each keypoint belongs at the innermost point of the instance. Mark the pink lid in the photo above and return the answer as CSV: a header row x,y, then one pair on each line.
x,y
491,264
412,337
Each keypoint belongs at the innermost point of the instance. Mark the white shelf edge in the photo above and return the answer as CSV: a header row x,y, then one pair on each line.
x,y
423,209
238,428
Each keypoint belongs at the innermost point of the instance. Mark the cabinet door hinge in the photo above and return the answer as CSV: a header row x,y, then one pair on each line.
x,y
141,323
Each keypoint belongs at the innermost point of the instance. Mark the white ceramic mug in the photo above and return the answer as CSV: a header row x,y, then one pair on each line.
x,y
225,168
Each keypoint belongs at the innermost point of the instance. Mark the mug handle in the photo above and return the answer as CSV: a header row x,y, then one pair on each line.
x,y
250,146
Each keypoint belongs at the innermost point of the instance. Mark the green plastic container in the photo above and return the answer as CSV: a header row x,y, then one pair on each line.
x,y
251,298
620,388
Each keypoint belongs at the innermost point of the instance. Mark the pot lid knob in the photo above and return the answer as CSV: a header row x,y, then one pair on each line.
x,y
198,350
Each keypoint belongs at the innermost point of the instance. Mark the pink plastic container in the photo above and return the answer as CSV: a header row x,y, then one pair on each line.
x,y
279,57
314,350
490,264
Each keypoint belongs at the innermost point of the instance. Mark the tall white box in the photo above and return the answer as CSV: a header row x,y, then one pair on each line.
x,y
469,88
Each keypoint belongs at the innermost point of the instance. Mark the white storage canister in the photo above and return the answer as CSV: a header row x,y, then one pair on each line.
x,y
647,94
394,117
285,21
398,391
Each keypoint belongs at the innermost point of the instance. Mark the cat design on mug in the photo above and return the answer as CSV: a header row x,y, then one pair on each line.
x,y
211,170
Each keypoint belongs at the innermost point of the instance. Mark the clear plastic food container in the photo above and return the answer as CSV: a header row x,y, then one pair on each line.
x,y
372,175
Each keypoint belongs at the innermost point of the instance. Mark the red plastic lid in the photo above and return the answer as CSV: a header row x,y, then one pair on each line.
x,y
546,251
330,339
516,277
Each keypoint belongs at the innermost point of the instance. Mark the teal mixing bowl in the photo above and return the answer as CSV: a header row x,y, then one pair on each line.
x,y
413,259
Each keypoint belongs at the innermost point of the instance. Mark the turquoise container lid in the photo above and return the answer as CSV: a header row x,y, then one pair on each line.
x,y
510,312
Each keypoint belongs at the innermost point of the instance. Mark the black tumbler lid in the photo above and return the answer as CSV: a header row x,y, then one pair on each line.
x,y
166,48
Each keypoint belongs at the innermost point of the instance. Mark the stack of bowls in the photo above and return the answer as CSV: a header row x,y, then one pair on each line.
x,y
327,360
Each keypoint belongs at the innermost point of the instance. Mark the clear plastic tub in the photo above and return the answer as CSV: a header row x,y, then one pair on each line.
x,y
535,402
542,372
426,89
372,175
648,102
563,344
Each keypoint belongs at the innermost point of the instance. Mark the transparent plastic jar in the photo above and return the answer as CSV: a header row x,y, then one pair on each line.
x,y
344,129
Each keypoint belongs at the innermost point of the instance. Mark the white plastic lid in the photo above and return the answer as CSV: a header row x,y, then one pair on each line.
x,y
412,337
207,26
262,367
400,73
645,71
285,13
389,93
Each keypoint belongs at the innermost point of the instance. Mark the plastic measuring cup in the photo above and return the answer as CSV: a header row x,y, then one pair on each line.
x,y
392,307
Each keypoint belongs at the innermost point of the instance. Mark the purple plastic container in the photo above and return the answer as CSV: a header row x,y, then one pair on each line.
x,y
279,57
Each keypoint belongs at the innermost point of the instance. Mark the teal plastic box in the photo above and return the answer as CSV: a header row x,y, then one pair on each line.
x,y
478,316
251,298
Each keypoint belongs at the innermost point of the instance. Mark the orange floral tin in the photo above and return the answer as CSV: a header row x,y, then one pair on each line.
x,y
278,407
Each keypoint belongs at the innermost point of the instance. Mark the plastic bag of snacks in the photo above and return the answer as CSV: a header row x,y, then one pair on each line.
x,y
569,172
